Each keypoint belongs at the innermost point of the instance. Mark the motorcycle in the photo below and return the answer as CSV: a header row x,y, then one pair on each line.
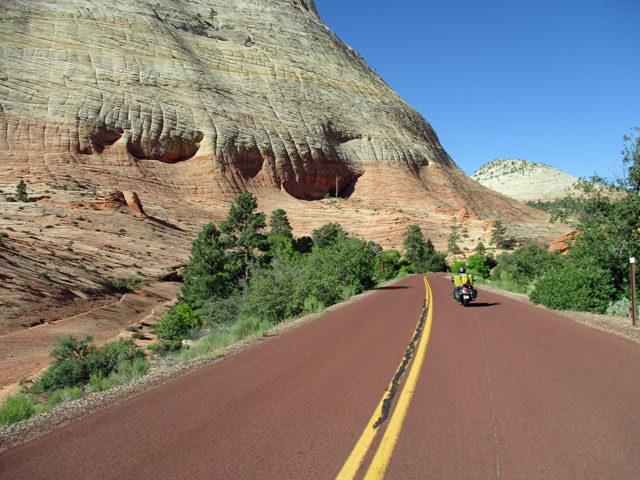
x,y
466,294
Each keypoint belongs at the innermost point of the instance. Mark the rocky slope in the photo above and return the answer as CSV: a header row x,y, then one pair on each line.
x,y
186,103
524,181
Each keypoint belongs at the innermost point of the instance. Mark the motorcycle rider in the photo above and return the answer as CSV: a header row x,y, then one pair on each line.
x,y
459,280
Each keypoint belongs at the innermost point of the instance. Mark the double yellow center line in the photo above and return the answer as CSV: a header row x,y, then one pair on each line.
x,y
380,461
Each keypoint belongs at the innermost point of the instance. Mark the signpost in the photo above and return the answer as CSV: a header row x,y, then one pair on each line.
x,y
634,308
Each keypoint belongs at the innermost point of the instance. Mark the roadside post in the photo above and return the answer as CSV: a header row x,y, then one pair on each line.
x,y
634,308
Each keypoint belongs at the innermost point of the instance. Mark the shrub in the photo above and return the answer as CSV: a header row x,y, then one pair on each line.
x,y
76,360
523,266
16,408
223,311
132,369
276,293
127,285
583,287
621,308
313,305
477,265
249,325
64,395
180,320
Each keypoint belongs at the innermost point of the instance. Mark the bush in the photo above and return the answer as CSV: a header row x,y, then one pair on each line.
x,y
276,293
621,308
457,265
16,408
523,266
477,265
313,305
223,311
64,395
343,267
127,286
249,325
76,360
180,320
392,264
583,287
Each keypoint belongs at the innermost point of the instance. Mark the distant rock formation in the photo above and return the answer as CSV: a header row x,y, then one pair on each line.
x,y
524,181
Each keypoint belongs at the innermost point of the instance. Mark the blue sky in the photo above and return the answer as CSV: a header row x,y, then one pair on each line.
x,y
556,82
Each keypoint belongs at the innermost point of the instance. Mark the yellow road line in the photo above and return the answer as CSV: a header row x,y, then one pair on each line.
x,y
381,459
382,456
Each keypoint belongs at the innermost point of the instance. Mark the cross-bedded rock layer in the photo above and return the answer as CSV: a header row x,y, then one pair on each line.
x,y
245,94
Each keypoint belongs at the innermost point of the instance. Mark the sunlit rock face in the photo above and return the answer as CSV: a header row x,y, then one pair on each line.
x,y
248,93
188,102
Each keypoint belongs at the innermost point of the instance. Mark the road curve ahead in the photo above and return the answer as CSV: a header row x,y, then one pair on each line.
x,y
505,390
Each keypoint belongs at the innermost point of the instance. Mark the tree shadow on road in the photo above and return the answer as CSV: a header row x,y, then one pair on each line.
x,y
391,288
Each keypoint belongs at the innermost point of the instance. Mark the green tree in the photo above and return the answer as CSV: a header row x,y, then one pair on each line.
x,y
21,191
498,234
480,248
452,242
328,234
415,246
631,161
421,253
279,224
477,265
242,231
303,244
210,273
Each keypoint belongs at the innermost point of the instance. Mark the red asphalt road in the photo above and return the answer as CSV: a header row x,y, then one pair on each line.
x,y
506,391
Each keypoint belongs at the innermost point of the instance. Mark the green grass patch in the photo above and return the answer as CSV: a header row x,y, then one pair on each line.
x,y
16,408
64,395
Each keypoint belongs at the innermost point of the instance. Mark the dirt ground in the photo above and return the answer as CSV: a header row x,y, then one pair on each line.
x,y
24,354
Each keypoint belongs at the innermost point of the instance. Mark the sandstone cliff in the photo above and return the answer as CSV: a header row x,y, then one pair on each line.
x,y
183,98
186,103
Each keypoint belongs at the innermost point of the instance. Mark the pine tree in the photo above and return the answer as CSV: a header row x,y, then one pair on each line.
x,y
279,224
421,252
414,244
242,231
328,234
21,191
210,273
